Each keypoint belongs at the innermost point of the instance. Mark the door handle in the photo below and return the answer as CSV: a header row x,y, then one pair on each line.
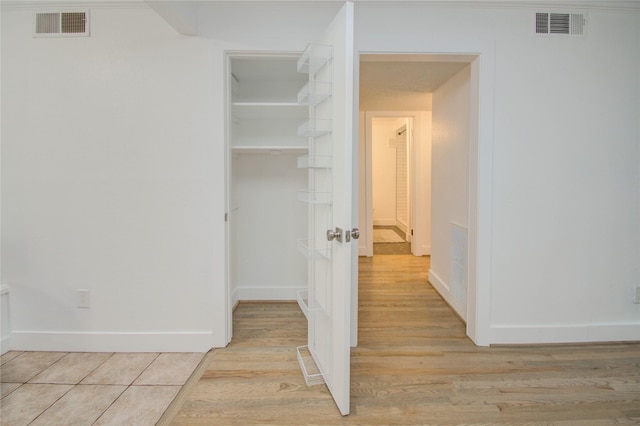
x,y
334,235
355,233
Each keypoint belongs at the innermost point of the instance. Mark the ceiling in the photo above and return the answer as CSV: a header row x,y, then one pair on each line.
x,y
395,75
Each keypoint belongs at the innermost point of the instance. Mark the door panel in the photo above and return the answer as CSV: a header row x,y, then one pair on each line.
x,y
330,132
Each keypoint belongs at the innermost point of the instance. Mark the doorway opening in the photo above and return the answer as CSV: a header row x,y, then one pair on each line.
x,y
437,94
389,139
391,197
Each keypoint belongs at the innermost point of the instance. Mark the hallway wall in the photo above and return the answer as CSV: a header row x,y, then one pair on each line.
x,y
450,179
384,170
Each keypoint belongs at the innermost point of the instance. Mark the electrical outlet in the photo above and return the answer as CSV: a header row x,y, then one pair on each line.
x,y
83,298
636,295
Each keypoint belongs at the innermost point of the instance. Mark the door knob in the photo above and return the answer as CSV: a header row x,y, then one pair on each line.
x,y
334,235
355,233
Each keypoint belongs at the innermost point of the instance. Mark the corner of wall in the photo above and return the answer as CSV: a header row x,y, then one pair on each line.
x,y
444,291
5,328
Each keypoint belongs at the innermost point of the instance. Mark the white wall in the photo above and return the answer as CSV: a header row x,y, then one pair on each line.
x,y
566,189
384,169
400,101
449,178
558,169
5,326
269,219
111,182
113,169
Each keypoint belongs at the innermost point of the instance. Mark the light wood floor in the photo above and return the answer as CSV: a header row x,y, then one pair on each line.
x,y
413,366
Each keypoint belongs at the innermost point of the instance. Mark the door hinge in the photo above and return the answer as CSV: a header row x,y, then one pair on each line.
x,y
412,232
226,217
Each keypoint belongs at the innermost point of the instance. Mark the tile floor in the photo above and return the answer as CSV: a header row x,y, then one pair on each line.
x,y
72,388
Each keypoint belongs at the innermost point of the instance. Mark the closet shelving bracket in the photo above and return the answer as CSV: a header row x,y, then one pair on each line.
x,y
308,249
314,197
314,58
310,371
315,162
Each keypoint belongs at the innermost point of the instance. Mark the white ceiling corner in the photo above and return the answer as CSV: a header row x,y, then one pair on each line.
x,y
181,15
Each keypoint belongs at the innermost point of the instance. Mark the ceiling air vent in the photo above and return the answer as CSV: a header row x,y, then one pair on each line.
x,y
61,24
560,23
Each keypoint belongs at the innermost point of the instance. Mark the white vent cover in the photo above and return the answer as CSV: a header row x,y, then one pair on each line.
x,y
560,23
61,24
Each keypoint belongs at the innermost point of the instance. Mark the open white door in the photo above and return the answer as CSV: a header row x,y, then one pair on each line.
x,y
331,233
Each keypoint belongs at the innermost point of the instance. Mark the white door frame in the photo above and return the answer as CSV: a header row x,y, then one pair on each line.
x,y
420,154
480,56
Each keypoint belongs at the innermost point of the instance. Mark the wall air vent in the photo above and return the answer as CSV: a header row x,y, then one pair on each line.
x,y
61,24
560,23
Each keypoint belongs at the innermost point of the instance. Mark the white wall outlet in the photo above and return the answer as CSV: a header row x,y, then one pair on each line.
x,y
636,295
83,298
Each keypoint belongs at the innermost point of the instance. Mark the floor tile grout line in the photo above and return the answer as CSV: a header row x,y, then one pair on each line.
x,y
100,365
49,366
75,386
146,368
21,353
54,402
12,391
70,383
38,372
128,386
132,385
176,404
112,402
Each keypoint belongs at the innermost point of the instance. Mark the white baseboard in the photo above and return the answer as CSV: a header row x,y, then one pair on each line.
x,y
443,289
384,222
424,250
5,344
267,293
111,341
562,333
5,326
234,297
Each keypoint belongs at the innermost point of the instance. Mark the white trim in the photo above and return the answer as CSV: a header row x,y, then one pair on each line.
x,y
384,222
5,344
266,293
235,298
443,289
631,5
70,341
97,4
5,340
565,333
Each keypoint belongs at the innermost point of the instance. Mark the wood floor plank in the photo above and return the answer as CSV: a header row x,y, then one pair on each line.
x,y
413,366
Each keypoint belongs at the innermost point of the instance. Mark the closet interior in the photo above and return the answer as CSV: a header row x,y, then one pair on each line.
x,y
281,187
280,178
266,217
